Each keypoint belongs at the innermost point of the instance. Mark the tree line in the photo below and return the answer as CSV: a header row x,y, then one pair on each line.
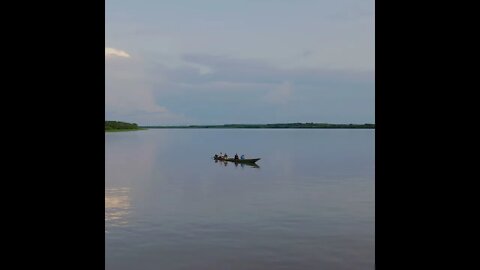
x,y
115,125
286,125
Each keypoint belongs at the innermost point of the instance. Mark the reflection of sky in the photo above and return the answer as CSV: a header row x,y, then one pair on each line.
x,y
117,207
312,200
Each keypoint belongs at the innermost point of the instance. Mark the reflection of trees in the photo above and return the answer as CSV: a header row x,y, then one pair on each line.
x,y
117,207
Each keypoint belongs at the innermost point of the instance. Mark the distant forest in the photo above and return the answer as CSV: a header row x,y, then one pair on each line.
x,y
287,125
116,125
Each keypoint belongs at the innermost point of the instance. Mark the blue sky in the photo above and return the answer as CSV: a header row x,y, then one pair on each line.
x,y
242,61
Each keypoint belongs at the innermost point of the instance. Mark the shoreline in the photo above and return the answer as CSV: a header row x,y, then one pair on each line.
x,y
264,127
249,128
124,130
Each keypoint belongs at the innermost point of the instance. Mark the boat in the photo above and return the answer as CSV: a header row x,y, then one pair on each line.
x,y
250,160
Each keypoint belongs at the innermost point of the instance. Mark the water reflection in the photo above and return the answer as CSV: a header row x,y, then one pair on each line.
x,y
225,163
117,207
249,165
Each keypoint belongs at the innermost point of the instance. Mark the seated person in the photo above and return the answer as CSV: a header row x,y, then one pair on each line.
x,y
236,156
242,157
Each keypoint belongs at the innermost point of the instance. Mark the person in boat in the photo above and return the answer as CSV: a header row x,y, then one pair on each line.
x,y
242,157
236,156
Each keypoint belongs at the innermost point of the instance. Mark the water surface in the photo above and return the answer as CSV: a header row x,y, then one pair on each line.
x,y
309,205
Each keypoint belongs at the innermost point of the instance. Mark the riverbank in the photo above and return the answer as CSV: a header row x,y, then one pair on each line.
x,y
117,126
286,125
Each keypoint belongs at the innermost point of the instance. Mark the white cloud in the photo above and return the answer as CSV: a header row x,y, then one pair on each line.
x,y
111,52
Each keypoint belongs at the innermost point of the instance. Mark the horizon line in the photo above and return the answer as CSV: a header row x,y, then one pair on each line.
x,y
285,123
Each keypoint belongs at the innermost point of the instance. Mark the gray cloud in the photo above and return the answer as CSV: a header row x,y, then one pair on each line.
x,y
264,90
129,93
225,69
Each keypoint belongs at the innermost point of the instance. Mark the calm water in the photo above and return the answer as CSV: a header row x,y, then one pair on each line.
x,y
309,205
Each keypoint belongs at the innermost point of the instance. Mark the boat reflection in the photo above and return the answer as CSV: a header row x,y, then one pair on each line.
x,y
117,207
243,165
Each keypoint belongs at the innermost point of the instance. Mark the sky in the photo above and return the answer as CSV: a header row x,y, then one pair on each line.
x,y
170,62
